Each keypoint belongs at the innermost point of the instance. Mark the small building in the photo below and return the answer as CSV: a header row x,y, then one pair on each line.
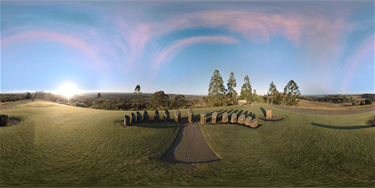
x,y
242,102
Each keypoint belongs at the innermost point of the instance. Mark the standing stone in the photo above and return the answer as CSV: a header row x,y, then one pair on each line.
x,y
248,121
268,114
139,116
145,116
166,115
225,117
253,123
190,116
233,118
241,119
156,117
5,120
177,116
126,120
203,118
133,118
214,117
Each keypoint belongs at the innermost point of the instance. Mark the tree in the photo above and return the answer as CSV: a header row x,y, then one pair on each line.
x,y
159,99
246,91
368,101
272,92
292,93
216,89
362,103
99,95
137,93
232,94
28,95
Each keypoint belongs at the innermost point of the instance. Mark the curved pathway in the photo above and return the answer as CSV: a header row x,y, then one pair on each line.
x,y
326,112
190,147
14,104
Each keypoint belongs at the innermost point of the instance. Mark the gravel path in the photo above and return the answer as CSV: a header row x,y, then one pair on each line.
x,y
14,104
326,112
190,147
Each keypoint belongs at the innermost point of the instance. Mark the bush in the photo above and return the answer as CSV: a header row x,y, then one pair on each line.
x,y
353,103
80,104
368,101
362,103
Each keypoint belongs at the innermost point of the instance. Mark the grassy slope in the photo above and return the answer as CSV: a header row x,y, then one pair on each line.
x,y
63,145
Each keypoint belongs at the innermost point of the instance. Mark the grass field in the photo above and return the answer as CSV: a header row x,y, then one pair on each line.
x,y
72,146
333,106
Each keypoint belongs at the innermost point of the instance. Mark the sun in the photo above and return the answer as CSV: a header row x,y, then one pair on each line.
x,y
68,90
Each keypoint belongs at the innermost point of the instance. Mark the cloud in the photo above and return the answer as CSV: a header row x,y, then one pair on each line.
x,y
41,35
365,49
193,69
173,49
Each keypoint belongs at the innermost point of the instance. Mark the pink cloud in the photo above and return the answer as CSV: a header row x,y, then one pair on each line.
x,y
35,36
365,49
174,48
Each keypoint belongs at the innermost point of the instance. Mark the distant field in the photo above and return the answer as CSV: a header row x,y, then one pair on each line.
x,y
333,106
72,146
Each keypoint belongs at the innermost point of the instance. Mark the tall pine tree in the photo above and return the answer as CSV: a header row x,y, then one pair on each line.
x,y
246,91
292,93
232,94
216,89
272,92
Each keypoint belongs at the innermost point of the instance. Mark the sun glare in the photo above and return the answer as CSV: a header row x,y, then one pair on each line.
x,y
68,90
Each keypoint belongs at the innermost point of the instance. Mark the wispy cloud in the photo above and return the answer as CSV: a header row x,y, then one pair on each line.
x,y
172,50
41,35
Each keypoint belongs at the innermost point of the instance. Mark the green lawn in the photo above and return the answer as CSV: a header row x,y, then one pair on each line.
x,y
72,146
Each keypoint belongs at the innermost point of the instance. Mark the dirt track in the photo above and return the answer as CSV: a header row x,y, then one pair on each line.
x,y
326,112
13,104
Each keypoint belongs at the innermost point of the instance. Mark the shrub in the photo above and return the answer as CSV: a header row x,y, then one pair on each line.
x,y
80,104
368,101
356,101
353,103
362,103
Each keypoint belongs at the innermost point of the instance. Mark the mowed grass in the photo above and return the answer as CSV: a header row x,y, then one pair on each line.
x,y
72,146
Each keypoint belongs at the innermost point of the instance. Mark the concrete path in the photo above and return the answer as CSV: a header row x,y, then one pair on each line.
x,y
325,112
190,147
14,104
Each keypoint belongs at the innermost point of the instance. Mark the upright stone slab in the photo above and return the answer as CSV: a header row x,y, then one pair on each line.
x,y
156,116
214,118
133,118
145,116
5,120
190,116
203,118
268,114
139,116
166,115
177,116
225,117
241,119
126,120
248,121
253,123
233,118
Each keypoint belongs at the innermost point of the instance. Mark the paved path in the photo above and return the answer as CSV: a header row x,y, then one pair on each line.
x,y
190,147
14,104
326,112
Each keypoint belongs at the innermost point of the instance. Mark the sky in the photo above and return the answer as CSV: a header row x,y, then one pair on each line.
x,y
326,47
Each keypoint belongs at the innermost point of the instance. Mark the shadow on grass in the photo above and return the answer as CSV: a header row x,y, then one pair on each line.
x,y
263,110
341,127
252,115
239,113
245,113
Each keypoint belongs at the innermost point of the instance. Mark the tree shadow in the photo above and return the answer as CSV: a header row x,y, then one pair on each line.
x,y
155,126
341,127
263,110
